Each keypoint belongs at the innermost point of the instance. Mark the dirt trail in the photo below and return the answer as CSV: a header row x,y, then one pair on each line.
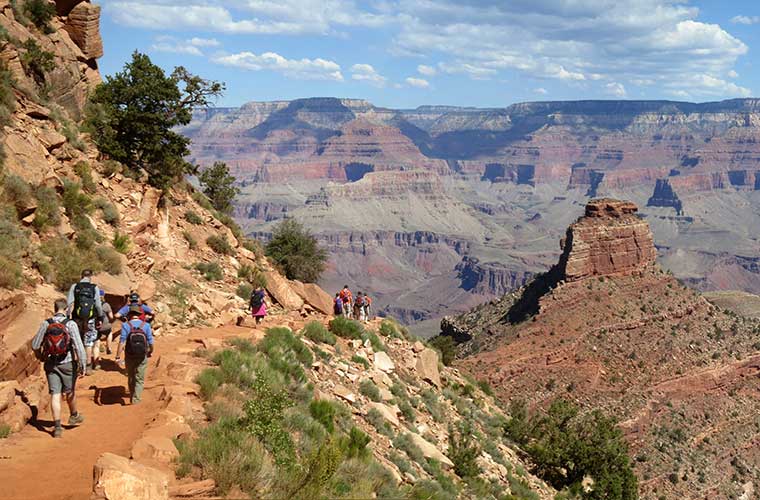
x,y
34,466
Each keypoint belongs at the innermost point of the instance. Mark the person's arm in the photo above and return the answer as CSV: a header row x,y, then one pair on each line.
x,y
121,312
149,334
122,340
70,299
37,340
109,312
98,303
80,352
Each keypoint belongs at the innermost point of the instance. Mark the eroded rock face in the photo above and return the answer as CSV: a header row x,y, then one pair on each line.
x,y
83,26
608,241
118,478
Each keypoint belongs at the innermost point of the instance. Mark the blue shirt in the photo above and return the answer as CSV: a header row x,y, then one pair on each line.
x,y
125,309
125,329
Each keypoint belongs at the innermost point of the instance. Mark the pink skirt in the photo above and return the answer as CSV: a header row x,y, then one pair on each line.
x,y
261,311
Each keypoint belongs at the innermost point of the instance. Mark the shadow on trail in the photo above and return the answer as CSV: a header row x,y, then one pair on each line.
x,y
109,365
112,395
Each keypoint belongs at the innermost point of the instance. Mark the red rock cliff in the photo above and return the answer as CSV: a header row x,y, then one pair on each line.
x,y
609,240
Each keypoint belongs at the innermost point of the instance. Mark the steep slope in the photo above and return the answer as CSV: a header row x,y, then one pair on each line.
x,y
608,328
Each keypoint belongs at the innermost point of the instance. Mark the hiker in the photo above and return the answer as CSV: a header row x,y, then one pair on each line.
x,y
59,345
338,305
347,299
367,308
258,304
136,342
134,299
105,329
85,309
359,307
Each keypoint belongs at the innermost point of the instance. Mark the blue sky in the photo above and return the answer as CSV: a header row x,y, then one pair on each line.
x,y
465,53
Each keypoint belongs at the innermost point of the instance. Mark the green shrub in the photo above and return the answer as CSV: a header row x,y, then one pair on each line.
x,y
219,186
374,340
193,218
110,212
376,419
40,13
296,252
201,200
76,203
446,346
323,411
355,445
360,360
83,170
111,168
70,131
485,387
212,271
388,329
36,61
209,380
286,352
432,404
47,213
5,431
407,411
346,328
13,245
369,389
463,451
192,243
67,261
220,245
316,331
253,246
121,242
108,260
405,443
244,291
229,454
229,222
10,273
264,417
179,300
253,276
17,191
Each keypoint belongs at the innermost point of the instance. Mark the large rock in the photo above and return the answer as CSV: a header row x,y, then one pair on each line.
x,y
118,478
427,367
154,449
383,362
281,291
83,26
389,413
429,450
314,296
610,240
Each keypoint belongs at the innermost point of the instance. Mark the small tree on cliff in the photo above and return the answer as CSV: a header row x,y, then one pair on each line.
x,y
296,252
219,186
133,113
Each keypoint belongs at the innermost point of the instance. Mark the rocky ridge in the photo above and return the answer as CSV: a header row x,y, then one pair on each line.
x,y
614,331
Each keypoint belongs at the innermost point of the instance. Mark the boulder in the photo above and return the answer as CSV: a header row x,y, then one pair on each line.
x,y
195,489
344,393
389,413
383,362
314,296
427,367
429,450
118,478
418,347
8,394
280,290
83,26
154,449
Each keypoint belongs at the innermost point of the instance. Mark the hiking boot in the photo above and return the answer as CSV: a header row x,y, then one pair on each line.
x,y
58,432
76,419
108,350
88,371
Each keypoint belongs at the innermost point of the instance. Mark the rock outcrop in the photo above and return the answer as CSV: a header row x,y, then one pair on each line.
x,y
609,240
83,25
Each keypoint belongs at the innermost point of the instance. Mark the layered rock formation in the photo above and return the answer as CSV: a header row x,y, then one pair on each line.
x,y
83,25
608,329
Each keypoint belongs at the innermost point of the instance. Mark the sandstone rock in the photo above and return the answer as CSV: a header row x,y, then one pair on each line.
x,y
418,347
279,289
385,394
193,490
383,362
427,367
118,478
314,296
51,139
83,26
389,413
154,448
8,394
344,393
429,450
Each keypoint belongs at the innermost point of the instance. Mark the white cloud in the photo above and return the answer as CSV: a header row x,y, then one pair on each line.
x,y
426,70
165,43
541,90
204,42
615,89
302,69
366,73
474,71
745,19
732,74
419,83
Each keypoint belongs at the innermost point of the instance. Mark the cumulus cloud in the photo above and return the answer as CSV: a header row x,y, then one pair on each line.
x,y
541,91
419,83
615,89
426,70
204,42
302,69
172,45
745,20
366,73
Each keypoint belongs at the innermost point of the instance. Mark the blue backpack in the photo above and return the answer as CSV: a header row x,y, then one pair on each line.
x,y
338,308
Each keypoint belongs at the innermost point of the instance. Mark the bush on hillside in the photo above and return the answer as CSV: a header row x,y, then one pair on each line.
x,y
244,291
316,331
220,245
324,412
13,245
40,13
47,213
219,186
84,172
36,61
296,252
369,389
16,191
346,328
446,346
192,217
253,276
192,243
109,259
212,271
67,261
463,451
133,116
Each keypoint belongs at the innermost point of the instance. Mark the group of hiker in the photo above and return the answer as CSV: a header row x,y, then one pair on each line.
x,y
68,343
358,308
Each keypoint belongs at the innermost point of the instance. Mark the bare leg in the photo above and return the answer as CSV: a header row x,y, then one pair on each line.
x,y
55,405
72,401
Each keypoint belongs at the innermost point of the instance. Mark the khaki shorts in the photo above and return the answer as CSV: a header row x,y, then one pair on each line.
x,y
61,378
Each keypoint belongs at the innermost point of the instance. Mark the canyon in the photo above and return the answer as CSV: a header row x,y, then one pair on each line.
x,y
438,208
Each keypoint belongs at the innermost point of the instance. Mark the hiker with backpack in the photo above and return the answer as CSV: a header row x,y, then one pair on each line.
x,y
136,342
58,344
258,304
359,307
86,309
135,300
106,329
338,305
347,299
367,308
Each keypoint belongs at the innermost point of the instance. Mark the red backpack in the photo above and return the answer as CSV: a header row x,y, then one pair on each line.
x,y
57,341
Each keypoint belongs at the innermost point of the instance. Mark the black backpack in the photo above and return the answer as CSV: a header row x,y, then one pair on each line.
x,y
84,301
257,298
137,341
